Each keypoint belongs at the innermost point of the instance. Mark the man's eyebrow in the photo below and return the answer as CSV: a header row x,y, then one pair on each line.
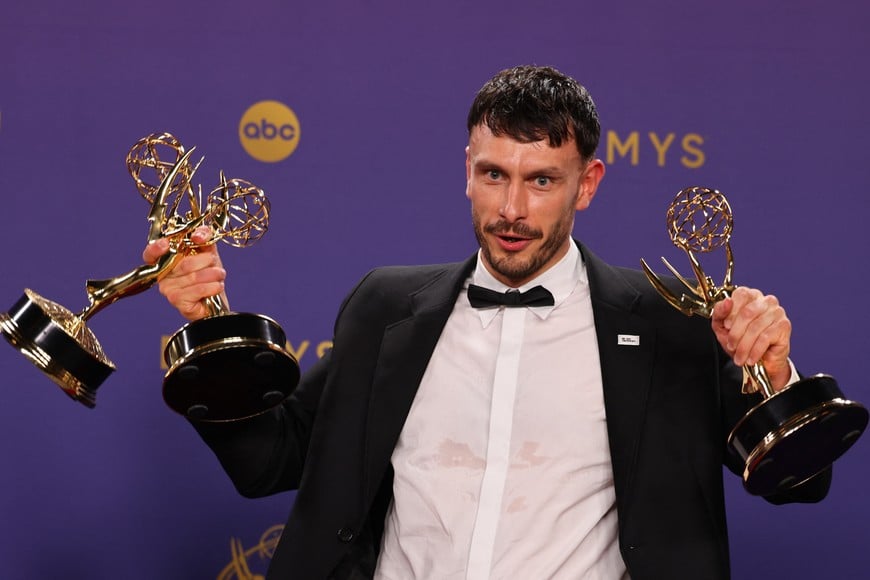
x,y
550,170
484,162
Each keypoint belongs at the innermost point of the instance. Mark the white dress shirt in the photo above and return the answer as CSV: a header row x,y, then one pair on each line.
x,y
502,469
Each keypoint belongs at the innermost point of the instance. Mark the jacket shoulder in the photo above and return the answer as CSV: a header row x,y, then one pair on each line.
x,y
391,291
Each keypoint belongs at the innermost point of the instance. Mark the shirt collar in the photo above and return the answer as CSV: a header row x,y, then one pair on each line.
x,y
560,280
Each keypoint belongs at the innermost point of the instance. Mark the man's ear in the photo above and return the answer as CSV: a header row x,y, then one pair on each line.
x,y
467,172
592,176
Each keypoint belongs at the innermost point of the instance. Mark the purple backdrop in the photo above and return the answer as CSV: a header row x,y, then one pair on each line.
x,y
766,104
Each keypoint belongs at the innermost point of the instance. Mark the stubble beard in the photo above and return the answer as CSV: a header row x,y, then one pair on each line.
x,y
512,266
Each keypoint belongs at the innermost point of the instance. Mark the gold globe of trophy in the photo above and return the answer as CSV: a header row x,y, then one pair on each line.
x,y
790,435
224,367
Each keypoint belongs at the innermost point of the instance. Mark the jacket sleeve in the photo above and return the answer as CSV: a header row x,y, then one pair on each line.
x,y
265,454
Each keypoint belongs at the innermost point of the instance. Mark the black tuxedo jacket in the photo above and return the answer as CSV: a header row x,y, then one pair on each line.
x,y
670,402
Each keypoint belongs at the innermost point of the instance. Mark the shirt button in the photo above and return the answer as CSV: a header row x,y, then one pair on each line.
x,y
345,535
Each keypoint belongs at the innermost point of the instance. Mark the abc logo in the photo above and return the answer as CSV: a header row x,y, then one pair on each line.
x,y
269,131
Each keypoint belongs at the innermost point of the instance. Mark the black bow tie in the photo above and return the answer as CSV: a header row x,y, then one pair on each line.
x,y
481,297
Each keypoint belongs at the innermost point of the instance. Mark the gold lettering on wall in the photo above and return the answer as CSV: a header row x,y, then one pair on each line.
x,y
623,148
659,147
164,340
240,566
690,140
322,347
298,353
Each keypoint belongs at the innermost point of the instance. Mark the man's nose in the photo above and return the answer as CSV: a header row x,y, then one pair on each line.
x,y
515,205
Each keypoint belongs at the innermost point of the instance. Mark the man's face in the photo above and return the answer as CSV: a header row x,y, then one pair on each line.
x,y
523,198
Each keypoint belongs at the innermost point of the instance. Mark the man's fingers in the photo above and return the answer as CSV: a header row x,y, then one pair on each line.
x,y
191,264
154,250
193,277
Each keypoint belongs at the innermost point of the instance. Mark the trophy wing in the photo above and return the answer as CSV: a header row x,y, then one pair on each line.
x,y
684,303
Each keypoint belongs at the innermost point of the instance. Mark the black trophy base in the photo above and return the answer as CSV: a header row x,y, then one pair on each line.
x,y
59,343
228,367
795,434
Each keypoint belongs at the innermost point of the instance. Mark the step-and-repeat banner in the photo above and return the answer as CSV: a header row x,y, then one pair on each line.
x,y
350,115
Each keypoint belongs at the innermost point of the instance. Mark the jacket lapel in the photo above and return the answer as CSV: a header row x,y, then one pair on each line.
x,y
406,348
626,343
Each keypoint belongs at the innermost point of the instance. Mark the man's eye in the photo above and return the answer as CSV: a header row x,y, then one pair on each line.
x,y
542,181
493,174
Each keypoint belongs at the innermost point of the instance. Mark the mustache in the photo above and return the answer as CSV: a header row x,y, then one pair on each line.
x,y
519,229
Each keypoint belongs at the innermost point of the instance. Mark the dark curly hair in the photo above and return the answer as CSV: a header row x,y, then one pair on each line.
x,y
529,103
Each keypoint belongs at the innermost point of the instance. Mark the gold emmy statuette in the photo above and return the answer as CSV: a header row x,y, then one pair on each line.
x,y
243,371
790,435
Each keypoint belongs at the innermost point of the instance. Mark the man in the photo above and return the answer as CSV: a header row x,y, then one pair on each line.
x,y
444,437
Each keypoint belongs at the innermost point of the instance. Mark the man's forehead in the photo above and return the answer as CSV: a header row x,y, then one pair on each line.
x,y
482,136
